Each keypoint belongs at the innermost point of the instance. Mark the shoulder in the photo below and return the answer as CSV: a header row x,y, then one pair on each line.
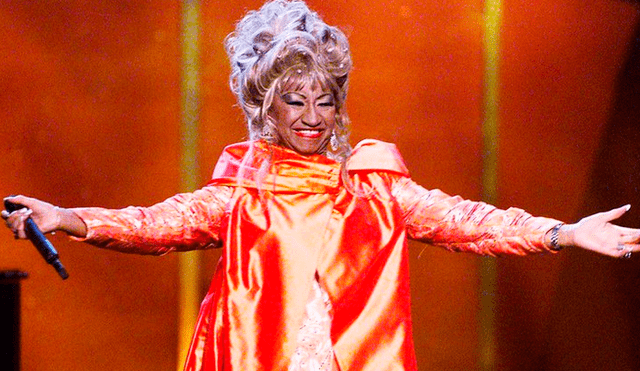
x,y
234,157
376,155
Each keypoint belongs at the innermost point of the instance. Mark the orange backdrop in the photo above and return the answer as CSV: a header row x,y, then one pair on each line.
x,y
91,103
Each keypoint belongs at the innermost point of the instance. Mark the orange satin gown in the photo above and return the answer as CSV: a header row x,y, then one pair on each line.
x,y
295,222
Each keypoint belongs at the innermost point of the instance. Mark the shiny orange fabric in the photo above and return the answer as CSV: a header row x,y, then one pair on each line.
x,y
303,222
284,226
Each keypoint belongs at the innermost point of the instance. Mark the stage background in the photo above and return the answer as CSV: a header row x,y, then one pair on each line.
x,y
91,103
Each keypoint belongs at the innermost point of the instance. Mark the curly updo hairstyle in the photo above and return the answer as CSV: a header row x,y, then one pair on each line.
x,y
284,44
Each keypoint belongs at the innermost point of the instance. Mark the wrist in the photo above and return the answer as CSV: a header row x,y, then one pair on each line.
x,y
560,236
566,235
71,223
554,238
58,224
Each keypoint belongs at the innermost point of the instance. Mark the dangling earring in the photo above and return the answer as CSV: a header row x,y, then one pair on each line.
x,y
267,132
333,141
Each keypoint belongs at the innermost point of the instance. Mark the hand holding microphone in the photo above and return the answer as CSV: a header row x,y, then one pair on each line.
x,y
38,239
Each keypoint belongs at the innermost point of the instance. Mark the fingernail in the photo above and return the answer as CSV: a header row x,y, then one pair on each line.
x,y
628,207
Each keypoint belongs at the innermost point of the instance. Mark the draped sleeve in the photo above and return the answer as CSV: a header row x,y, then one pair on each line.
x,y
186,221
456,224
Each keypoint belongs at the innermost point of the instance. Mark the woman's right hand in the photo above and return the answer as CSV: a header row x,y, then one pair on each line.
x,y
46,216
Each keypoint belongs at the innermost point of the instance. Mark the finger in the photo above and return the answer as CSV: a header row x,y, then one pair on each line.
x,y
19,200
626,231
13,219
20,234
22,217
627,250
628,235
630,238
615,213
22,214
16,219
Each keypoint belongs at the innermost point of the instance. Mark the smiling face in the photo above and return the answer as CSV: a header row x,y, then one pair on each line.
x,y
304,117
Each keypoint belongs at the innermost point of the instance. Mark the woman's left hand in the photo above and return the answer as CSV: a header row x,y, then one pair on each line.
x,y
598,234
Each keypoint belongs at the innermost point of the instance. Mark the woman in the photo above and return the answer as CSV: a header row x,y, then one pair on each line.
x,y
314,271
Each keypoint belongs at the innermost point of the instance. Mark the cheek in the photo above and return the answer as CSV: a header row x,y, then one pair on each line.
x,y
330,118
280,112
280,119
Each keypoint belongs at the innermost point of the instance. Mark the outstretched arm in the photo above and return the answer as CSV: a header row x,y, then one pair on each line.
x,y
456,224
183,222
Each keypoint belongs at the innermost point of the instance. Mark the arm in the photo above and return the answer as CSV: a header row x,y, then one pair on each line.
x,y
183,222
456,224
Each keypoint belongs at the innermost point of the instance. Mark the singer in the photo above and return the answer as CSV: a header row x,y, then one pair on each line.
x,y
314,270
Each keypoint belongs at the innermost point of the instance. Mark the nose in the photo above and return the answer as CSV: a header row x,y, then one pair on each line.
x,y
310,117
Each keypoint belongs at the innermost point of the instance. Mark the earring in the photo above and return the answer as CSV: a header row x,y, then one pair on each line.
x,y
333,141
267,132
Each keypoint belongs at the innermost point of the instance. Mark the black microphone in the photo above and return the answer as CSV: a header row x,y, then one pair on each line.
x,y
38,239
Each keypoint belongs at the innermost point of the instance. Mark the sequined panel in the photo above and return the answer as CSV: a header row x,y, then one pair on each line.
x,y
314,351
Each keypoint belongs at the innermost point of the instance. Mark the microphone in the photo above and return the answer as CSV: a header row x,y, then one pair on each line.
x,y
38,239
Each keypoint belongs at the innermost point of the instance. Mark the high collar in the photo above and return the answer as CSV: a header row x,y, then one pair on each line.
x,y
240,165
288,171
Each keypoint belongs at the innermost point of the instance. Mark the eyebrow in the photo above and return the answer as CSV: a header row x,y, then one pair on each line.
x,y
323,95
